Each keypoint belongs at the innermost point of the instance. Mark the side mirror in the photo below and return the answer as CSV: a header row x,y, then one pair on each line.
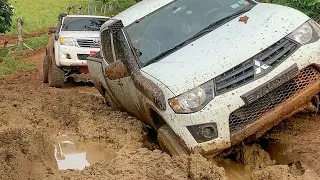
x,y
116,70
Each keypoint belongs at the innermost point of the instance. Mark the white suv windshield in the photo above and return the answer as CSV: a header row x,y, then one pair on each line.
x,y
177,22
82,23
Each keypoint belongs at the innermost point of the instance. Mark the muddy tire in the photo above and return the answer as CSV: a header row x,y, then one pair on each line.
x,y
169,142
45,66
56,75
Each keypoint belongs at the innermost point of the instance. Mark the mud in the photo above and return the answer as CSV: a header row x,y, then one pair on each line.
x,y
253,157
298,140
34,119
25,152
146,164
78,155
81,114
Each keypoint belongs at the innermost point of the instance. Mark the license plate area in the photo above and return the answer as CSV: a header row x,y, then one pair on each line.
x,y
93,52
267,87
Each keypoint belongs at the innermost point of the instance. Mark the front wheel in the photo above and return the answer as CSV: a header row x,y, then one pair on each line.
x,y
169,142
56,75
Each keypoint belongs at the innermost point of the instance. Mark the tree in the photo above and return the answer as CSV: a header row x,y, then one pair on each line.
x,y
5,16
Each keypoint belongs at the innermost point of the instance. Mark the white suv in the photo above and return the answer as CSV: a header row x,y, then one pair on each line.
x,y
208,74
74,39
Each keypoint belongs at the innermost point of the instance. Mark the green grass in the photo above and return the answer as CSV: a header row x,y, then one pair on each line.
x,y
37,42
309,7
40,14
10,65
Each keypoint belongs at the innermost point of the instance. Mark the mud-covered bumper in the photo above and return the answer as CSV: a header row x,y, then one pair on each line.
x,y
252,120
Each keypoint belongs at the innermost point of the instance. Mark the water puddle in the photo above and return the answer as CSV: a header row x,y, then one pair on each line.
x,y
235,171
71,155
278,151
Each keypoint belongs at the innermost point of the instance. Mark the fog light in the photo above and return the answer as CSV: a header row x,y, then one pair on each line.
x,y
65,56
203,132
208,131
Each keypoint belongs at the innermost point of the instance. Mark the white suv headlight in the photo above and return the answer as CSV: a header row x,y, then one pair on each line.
x,y
193,100
307,33
67,41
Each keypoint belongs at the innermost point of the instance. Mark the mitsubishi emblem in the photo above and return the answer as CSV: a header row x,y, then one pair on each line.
x,y
259,66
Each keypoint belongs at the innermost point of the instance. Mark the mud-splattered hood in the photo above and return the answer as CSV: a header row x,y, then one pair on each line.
x,y
225,47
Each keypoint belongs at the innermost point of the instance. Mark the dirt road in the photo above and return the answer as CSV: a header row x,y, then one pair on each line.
x,y
44,131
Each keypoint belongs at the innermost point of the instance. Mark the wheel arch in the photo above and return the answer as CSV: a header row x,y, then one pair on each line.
x,y
157,120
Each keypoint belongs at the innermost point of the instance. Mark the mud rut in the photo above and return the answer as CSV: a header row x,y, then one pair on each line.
x,y
35,118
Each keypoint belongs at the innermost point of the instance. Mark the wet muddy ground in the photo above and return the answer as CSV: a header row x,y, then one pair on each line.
x,y
70,133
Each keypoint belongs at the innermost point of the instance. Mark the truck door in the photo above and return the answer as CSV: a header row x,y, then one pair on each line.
x,y
121,89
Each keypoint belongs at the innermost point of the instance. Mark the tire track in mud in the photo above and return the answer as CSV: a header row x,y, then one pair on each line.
x,y
33,116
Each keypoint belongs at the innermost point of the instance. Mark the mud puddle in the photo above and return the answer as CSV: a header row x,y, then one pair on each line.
x,y
70,154
235,170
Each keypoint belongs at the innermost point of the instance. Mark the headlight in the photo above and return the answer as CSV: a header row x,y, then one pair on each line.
x,y
67,41
193,100
307,33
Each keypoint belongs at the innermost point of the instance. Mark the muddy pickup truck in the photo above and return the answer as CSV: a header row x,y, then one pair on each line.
x,y
72,40
208,74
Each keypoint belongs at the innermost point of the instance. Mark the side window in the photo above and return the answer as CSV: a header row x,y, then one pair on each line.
x,y
107,46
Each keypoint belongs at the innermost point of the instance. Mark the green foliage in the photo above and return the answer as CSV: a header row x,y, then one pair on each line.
x,y
9,65
40,14
5,16
309,7
37,42
114,6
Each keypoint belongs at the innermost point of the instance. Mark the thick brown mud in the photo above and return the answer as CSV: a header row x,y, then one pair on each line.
x,y
45,131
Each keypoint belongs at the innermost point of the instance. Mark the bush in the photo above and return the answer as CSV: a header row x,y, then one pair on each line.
x,y
5,16
309,7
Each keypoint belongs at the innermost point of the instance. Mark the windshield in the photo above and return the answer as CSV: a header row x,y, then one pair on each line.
x,y
177,22
82,24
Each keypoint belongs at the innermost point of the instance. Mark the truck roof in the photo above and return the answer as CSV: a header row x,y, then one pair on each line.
x,y
140,10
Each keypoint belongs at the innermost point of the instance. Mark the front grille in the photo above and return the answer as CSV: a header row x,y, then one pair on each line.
x,y
89,43
252,112
82,56
244,72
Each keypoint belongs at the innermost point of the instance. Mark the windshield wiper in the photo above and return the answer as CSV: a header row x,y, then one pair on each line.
x,y
207,29
163,54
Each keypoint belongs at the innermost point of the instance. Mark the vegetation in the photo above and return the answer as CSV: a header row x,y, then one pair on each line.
x,y
40,14
37,42
309,7
5,16
9,64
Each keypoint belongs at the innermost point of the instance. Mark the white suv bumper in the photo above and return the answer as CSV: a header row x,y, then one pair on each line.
x,y
73,56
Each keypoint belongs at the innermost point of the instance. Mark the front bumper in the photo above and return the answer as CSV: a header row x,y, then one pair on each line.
x,y
229,110
76,55
256,118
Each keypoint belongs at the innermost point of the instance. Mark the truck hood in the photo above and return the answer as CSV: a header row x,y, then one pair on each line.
x,y
80,34
225,47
